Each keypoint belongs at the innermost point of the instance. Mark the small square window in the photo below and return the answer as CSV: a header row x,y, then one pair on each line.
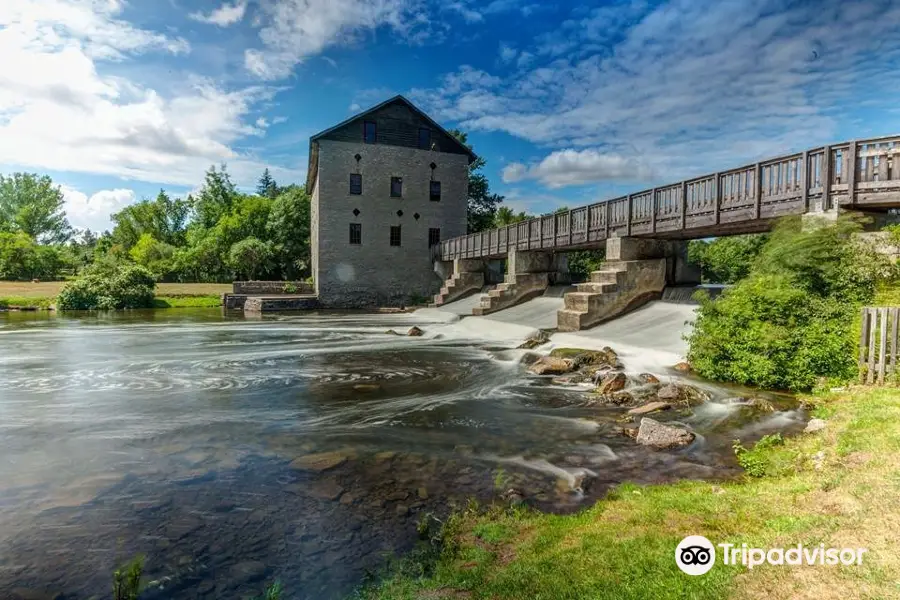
x,y
434,191
395,235
355,183
355,233
425,138
396,187
370,132
434,236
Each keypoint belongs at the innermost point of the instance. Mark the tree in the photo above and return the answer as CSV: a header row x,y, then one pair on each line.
x,y
215,198
33,206
506,216
163,218
289,229
153,254
726,259
267,186
250,257
482,203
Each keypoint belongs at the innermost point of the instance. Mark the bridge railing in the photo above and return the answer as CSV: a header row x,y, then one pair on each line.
x,y
861,172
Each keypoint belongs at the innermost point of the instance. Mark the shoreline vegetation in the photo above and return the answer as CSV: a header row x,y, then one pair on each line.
x,y
834,487
22,295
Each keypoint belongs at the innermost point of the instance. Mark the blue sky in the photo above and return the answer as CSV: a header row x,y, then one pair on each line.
x,y
569,102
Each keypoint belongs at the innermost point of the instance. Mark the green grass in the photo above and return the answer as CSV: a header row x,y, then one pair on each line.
x,y
623,547
186,301
888,295
27,302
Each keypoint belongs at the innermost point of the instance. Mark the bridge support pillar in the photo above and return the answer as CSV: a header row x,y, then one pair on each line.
x,y
466,278
528,274
680,270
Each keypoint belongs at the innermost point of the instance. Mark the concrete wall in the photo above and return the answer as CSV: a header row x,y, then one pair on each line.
x,y
375,273
272,287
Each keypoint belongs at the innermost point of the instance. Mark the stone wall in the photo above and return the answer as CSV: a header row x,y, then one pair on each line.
x,y
273,287
374,273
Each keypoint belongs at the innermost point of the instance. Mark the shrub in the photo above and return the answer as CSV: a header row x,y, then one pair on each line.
x,y
127,286
726,259
791,322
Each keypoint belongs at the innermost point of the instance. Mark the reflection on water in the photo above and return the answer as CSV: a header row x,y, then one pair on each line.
x,y
302,448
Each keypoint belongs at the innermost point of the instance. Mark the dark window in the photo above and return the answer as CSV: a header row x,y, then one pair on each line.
x,y
434,191
425,138
370,132
395,235
434,236
396,187
355,233
355,183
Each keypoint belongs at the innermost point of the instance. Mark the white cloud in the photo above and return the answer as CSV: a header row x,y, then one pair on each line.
x,y
468,14
354,107
296,29
687,86
507,52
93,212
225,15
59,112
576,167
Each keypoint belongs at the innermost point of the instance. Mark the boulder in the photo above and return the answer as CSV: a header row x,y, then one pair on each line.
x,y
684,395
513,496
814,425
649,408
612,382
391,332
319,462
630,432
620,398
326,490
669,392
549,365
569,379
414,332
648,378
682,367
657,435
535,341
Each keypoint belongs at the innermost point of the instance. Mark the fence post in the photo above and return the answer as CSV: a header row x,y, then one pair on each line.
x,y
863,344
882,345
851,173
870,375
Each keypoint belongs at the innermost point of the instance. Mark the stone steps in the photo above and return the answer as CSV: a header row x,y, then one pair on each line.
x,y
504,295
458,286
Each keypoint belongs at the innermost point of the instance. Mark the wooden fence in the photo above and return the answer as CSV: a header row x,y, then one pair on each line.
x,y
878,344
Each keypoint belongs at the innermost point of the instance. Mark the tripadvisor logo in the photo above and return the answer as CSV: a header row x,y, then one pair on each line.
x,y
696,555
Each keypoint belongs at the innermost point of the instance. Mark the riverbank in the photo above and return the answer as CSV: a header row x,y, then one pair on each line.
x,y
836,487
26,295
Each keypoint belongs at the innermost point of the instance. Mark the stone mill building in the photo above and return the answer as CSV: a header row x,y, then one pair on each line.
x,y
385,185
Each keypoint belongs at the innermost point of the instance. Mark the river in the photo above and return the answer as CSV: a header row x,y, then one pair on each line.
x,y
232,452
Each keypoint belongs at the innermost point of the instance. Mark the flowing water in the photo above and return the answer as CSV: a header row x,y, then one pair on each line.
x,y
186,436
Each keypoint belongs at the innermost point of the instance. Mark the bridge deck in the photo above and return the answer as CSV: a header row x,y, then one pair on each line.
x,y
857,174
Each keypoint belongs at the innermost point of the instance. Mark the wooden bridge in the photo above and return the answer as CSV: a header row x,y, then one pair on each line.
x,y
862,174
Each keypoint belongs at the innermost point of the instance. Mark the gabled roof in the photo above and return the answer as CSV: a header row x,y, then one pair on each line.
x,y
313,146
412,107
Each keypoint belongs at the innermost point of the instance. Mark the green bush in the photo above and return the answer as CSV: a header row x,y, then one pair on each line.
x,y
791,321
109,288
726,259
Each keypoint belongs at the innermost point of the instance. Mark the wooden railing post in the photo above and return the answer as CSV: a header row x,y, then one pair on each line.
x,y
684,204
757,192
569,224
653,209
628,214
804,180
825,174
608,217
851,173
716,195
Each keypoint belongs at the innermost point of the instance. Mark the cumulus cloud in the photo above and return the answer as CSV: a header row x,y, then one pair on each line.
x,y
689,86
58,111
293,30
225,15
507,53
576,167
92,212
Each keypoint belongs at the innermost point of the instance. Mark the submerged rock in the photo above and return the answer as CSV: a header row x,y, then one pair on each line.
x,y
658,435
648,378
415,332
649,408
569,379
319,462
366,387
815,425
684,395
683,367
549,365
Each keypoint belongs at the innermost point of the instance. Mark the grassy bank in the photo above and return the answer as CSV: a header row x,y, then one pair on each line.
x,y
624,546
42,295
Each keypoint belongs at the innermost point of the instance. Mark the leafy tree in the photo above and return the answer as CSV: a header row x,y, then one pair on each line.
x,y
33,206
22,258
507,216
726,259
215,198
153,254
266,186
790,322
163,218
289,229
109,287
482,203
250,257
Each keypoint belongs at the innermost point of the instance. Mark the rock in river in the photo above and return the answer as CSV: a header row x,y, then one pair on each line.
x,y
319,462
612,382
414,332
549,365
682,394
655,434
649,408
